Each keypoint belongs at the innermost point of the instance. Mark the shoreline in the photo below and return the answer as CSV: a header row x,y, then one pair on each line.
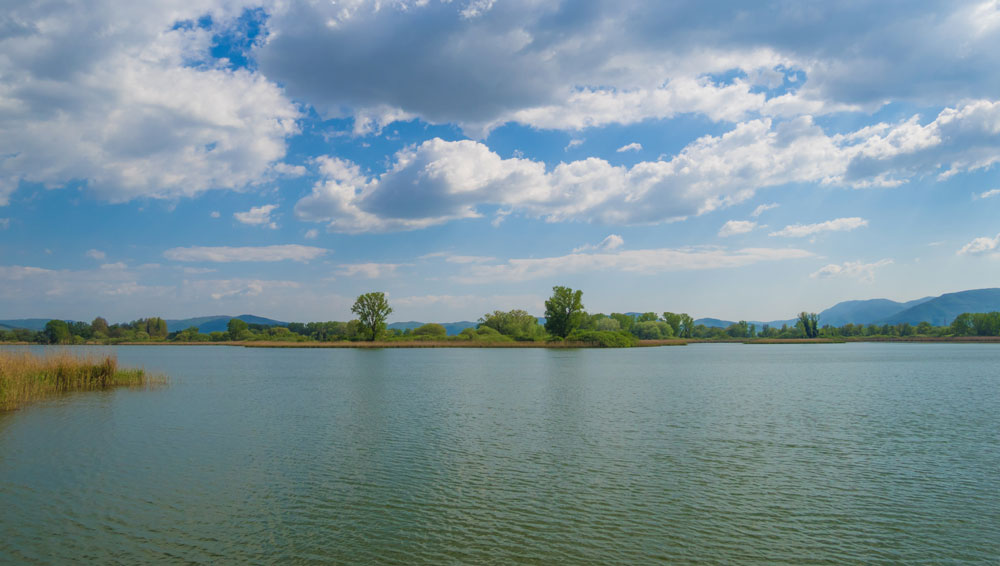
x,y
549,345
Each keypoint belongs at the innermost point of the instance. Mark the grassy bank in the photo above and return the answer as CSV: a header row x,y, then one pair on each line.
x,y
25,377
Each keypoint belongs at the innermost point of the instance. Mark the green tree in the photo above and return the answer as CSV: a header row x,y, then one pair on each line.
x,y
563,311
238,329
99,326
57,332
809,321
516,323
372,310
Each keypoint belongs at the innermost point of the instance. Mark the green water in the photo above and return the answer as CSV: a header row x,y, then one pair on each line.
x,y
707,454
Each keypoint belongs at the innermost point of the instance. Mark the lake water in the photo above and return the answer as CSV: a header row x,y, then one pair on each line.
x,y
796,454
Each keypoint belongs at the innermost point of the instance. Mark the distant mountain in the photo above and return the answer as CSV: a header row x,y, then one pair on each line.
x,y
35,324
865,312
941,311
713,322
218,323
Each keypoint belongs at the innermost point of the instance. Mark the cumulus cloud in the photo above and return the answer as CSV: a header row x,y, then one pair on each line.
x,y
733,227
851,269
634,146
121,97
988,194
258,216
612,242
763,208
648,261
836,225
227,254
368,270
311,234
540,63
96,254
980,246
439,181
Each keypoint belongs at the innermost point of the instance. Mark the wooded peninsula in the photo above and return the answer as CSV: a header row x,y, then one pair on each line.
x,y
566,324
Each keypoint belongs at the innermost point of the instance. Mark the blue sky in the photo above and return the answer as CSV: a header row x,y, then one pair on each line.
x,y
467,155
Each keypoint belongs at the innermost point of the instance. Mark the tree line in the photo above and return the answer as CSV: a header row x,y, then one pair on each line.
x,y
565,319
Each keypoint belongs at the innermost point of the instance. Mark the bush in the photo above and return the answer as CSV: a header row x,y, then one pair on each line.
x,y
604,339
430,329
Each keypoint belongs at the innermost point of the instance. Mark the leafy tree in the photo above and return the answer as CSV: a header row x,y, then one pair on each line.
x,y
682,324
99,326
57,332
516,323
607,324
625,321
430,329
649,330
563,311
809,323
372,310
238,329
647,317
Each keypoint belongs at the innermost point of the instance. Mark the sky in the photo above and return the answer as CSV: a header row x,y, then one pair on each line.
x,y
280,158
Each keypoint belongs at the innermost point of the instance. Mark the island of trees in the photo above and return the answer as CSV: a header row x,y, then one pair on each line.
x,y
566,322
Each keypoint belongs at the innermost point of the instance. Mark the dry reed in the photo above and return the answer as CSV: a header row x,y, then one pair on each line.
x,y
26,377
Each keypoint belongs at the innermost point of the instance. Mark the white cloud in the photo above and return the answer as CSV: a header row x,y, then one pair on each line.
x,y
258,216
311,234
460,259
612,242
836,225
18,272
989,193
215,214
368,270
198,270
851,269
763,208
573,143
980,246
4,223
118,265
540,64
227,254
634,146
733,227
96,254
117,95
647,261
235,288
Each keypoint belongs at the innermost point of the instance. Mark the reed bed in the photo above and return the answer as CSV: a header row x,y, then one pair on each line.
x,y
26,377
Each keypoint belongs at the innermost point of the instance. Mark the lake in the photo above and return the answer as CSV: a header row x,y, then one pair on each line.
x,y
705,454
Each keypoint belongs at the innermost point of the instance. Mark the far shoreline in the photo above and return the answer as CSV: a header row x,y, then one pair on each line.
x,y
546,345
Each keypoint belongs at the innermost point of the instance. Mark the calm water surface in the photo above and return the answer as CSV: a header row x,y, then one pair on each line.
x,y
799,454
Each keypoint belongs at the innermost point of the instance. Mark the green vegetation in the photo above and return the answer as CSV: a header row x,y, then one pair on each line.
x,y
25,377
566,324
563,311
372,310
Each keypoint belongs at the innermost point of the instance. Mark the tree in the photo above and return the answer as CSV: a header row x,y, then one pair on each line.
x,y
57,332
99,326
563,311
238,329
516,323
682,324
809,323
372,310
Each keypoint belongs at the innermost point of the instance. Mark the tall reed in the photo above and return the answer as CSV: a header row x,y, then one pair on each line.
x,y
26,377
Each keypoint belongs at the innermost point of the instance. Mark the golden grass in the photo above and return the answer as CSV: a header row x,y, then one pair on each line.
x,y
25,377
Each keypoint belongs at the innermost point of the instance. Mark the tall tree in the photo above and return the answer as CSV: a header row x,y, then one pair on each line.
x,y
99,325
57,332
372,310
810,324
563,311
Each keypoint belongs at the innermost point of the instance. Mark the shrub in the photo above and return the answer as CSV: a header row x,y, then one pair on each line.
x,y
604,339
